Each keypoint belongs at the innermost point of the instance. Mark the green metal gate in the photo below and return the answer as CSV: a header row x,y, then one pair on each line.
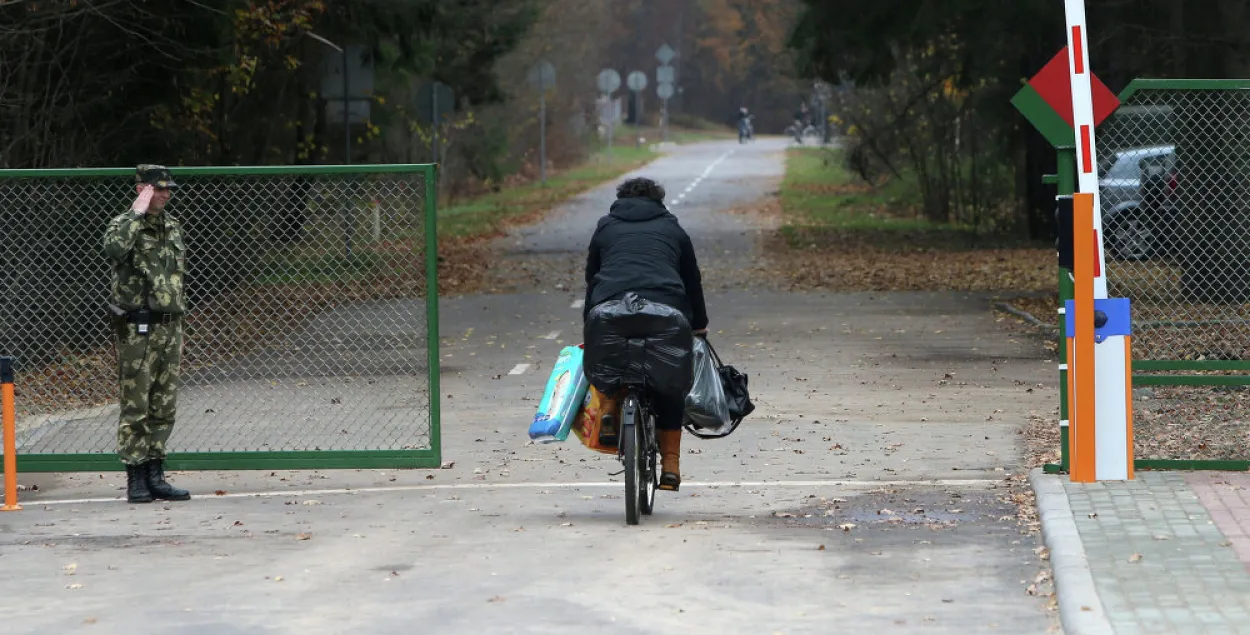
x,y
1174,183
312,330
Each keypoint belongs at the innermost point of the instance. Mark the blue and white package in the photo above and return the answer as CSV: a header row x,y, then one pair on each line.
x,y
566,390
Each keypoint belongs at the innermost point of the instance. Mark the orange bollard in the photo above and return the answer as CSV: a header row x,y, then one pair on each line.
x,y
9,422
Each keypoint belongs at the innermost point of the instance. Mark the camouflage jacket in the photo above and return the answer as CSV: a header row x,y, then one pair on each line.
x,y
149,258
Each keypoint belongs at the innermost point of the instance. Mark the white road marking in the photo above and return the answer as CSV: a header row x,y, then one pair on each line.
x,y
706,171
552,335
970,482
577,304
519,369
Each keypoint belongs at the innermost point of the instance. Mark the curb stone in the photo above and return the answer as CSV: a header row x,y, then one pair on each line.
x,y
1080,610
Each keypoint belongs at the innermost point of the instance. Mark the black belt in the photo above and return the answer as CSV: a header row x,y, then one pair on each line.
x,y
154,317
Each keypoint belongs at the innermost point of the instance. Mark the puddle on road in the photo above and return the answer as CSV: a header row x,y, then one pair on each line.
x,y
916,509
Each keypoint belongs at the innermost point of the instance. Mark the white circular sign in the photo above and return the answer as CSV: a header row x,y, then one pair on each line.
x,y
637,81
609,80
664,90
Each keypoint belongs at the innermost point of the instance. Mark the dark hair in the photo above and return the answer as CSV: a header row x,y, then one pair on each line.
x,y
641,188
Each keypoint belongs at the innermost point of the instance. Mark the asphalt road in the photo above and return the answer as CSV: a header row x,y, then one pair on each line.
x,y
866,493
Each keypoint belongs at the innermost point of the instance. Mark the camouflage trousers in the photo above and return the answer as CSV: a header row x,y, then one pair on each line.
x,y
148,371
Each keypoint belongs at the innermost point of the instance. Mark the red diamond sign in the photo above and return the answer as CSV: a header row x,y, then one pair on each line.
x,y
1054,84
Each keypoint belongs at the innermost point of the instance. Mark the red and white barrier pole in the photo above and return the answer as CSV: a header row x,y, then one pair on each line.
x,y
1101,438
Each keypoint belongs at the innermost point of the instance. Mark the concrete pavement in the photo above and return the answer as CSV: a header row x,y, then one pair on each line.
x,y
1165,553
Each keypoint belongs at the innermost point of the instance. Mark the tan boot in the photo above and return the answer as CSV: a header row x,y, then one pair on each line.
x,y
670,459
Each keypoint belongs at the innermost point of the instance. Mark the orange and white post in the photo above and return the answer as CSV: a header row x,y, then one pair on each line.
x,y
8,421
1101,438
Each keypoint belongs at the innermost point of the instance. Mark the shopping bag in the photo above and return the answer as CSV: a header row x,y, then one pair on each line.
x,y
562,399
737,398
590,421
706,407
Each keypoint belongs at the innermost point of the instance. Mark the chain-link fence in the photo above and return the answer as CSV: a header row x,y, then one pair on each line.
x,y
1174,180
311,332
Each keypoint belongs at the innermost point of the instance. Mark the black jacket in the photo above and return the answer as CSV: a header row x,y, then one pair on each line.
x,y
640,247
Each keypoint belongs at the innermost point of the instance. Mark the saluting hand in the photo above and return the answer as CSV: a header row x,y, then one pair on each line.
x,y
140,206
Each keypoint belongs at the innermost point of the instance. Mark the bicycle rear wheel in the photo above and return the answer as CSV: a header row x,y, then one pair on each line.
x,y
649,468
631,453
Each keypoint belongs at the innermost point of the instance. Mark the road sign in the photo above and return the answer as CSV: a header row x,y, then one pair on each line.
x,y
359,77
665,54
435,95
609,80
637,81
664,90
664,75
542,75
357,111
1046,101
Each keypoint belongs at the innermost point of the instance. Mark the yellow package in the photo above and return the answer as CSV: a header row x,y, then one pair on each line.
x,y
589,420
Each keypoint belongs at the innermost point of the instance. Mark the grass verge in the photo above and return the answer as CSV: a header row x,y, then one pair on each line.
x,y
839,233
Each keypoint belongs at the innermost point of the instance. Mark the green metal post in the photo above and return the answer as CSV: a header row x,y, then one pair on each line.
x,y
1067,186
431,307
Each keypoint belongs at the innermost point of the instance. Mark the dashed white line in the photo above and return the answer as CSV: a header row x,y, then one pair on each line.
x,y
706,171
519,369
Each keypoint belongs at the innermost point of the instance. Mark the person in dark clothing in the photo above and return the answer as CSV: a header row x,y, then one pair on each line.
x,y
640,247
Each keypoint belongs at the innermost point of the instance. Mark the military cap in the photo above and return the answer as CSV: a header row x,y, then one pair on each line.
x,y
155,175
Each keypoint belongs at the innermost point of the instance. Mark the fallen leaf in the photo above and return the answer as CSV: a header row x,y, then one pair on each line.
x,y
277,578
846,526
73,587
311,501
497,598
820,548
220,492
302,536
70,569
1135,557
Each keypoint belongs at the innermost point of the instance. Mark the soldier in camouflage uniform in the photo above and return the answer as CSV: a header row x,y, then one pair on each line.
x,y
146,248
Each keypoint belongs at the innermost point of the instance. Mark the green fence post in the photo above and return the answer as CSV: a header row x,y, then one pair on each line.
x,y
431,307
1067,186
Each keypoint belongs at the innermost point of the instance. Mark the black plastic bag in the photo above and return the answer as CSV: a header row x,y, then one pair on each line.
x,y
706,407
738,397
661,354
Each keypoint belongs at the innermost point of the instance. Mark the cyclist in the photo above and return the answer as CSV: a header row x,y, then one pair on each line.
x,y
640,247
744,124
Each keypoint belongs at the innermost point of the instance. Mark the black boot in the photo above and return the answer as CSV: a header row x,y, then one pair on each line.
x,y
137,484
159,488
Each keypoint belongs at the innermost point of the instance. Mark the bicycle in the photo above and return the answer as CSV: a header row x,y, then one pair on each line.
x,y
637,446
638,354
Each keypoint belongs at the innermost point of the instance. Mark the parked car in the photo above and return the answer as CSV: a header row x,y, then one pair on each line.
x,y
1137,190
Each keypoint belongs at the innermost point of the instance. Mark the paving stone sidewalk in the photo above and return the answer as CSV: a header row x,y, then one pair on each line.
x,y
1165,553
